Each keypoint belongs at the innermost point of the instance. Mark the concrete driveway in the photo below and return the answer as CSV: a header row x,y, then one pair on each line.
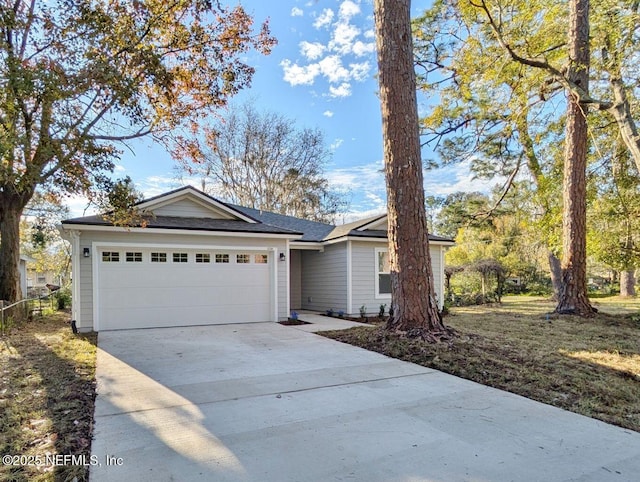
x,y
265,402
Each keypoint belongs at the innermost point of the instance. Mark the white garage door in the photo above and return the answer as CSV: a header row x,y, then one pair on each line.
x,y
145,288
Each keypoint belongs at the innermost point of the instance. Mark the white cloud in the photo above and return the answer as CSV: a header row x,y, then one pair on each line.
x,y
295,74
328,113
119,168
312,50
360,49
359,72
79,206
341,59
343,38
348,9
456,177
324,19
296,12
365,178
342,90
365,184
155,185
332,68
336,144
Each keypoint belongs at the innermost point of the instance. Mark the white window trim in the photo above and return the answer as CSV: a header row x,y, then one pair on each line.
x,y
377,294
245,257
205,258
160,258
222,259
180,257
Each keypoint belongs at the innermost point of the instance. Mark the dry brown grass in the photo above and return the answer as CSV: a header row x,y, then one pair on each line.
x,y
588,366
47,392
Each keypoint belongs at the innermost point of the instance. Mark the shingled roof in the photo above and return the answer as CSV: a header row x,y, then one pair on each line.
x,y
191,224
315,231
266,223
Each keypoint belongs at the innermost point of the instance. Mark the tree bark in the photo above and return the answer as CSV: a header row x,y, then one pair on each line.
x,y
573,297
627,283
416,311
555,269
10,215
621,112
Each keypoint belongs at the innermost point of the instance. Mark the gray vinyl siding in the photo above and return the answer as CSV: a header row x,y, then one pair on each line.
x,y
363,275
364,272
85,323
187,208
324,278
295,260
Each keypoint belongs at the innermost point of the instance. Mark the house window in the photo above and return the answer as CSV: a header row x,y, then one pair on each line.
x,y
261,259
383,275
243,258
222,258
42,279
180,258
203,258
110,257
158,257
133,257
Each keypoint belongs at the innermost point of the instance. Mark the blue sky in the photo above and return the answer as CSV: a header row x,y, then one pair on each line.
x,y
321,74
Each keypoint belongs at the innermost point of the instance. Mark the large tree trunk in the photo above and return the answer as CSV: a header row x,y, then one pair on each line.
x,y
10,251
627,283
573,293
555,269
415,307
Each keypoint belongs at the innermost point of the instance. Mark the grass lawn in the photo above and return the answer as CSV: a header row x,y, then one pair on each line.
x,y
47,392
588,366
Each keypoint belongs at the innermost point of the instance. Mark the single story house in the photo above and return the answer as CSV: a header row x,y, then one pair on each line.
x,y
202,261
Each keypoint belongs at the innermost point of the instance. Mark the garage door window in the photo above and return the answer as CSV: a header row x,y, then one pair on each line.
x,y
222,258
133,257
158,257
261,259
243,258
180,258
110,257
203,258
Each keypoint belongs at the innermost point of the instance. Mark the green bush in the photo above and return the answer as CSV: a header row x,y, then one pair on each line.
x,y
63,298
539,288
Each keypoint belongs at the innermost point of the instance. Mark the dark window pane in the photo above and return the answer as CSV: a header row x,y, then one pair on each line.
x,y
384,284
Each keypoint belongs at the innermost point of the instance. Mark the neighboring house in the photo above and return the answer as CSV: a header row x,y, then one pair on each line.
x,y
22,268
201,261
37,282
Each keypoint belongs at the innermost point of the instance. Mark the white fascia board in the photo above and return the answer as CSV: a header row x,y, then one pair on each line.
x,y
379,240
446,244
303,245
344,239
118,229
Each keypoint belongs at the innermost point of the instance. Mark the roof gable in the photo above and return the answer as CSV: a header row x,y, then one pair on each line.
x,y
189,202
379,223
